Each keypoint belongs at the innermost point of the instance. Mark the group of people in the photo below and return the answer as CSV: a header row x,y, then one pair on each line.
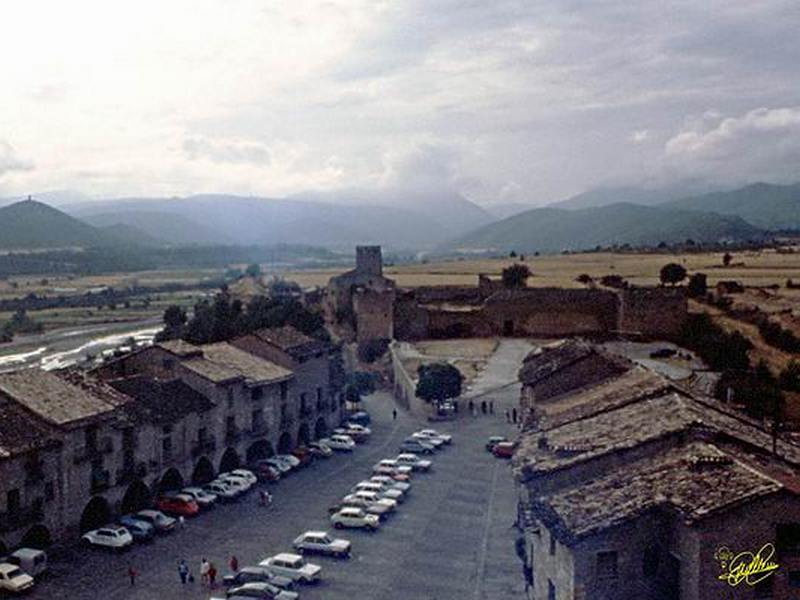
x,y
208,572
487,407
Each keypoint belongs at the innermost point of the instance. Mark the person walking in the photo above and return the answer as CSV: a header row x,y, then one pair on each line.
x,y
204,567
514,414
471,407
491,406
132,573
212,575
234,564
181,522
394,414
483,406
183,571
508,417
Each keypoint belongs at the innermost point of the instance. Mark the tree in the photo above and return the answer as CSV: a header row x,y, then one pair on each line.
x,y
672,273
174,321
698,285
516,276
584,278
438,382
253,270
726,259
789,379
363,382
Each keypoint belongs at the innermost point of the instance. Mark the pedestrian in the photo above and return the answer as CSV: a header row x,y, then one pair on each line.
x,y
183,571
234,564
132,573
508,417
212,575
483,406
471,407
394,414
181,522
204,567
491,406
455,406
514,414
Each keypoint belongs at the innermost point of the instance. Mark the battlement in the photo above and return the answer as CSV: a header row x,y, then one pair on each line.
x,y
369,260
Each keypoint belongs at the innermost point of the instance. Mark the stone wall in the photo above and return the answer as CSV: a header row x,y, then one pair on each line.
x,y
374,314
653,312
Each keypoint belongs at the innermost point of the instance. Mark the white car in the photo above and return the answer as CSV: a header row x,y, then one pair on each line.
x,y
116,538
445,437
397,467
282,466
289,459
352,517
380,489
258,589
236,483
222,491
358,428
321,543
343,443
235,478
13,579
246,474
203,498
433,441
414,461
372,498
292,566
387,481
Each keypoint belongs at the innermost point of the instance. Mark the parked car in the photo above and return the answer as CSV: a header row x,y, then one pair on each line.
x,y
390,472
356,432
380,489
114,537
279,464
245,474
222,491
416,446
288,459
493,441
178,504
342,443
292,566
140,530
304,455
266,472
352,517
372,498
382,511
30,560
257,575
13,579
388,481
321,543
433,441
261,590
236,480
320,450
204,499
361,417
445,437
160,522
504,449
414,461
396,467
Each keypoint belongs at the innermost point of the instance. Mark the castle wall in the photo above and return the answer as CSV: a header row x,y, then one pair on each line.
x,y
653,312
375,314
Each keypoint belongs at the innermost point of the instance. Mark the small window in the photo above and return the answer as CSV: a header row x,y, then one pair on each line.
x,y
606,565
551,590
257,393
230,397
49,491
552,544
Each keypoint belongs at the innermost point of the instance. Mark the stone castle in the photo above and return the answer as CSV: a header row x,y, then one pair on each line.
x,y
375,308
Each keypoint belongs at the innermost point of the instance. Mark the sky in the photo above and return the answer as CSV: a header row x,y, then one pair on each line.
x,y
504,101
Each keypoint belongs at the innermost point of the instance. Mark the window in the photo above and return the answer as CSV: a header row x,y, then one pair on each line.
x,y
303,398
258,419
202,433
166,430
166,448
257,393
551,590
650,561
552,544
283,411
284,390
230,424
319,394
606,565
49,491
12,500
230,397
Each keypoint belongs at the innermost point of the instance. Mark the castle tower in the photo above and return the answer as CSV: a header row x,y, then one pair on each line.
x,y
369,260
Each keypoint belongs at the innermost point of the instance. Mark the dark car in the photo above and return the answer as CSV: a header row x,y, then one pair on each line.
x,y
493,441
265,471
504,449
304,455
361,417
257,575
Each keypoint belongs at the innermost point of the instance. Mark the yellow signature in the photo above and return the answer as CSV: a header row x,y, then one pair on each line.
x,y
746,566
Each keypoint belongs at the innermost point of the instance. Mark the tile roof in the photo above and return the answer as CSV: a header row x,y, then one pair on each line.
x,y
695,481
162,401
223,362
291,341
21,431
180,348
542,363
52,398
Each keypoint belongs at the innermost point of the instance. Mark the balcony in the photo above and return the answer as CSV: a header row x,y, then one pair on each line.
x,y
204,446
22,517
103,446
100,480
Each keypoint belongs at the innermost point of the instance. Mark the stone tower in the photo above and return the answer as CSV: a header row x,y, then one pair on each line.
x,y
369,260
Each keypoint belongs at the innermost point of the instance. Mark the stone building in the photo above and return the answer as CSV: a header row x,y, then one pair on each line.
x,y
629,486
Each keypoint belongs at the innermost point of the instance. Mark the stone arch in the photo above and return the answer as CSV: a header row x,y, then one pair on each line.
x,y
320,429
285,443
136,497
230,460
37,537
96,513
170,480
259,450
203,471
303,435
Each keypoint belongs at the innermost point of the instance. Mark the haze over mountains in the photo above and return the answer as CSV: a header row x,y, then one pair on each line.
x,y
404,220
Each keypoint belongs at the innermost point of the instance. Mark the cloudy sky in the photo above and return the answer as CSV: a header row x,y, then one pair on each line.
x,y
506,101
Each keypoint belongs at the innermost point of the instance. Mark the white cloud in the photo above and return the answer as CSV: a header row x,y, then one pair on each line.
x,y
10,161
639,136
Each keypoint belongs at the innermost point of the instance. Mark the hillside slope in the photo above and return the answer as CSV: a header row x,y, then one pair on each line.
x,y
30,225
555,230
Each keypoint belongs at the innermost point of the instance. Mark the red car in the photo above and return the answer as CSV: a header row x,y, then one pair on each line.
x,y
266,472
504,449
303,454
180,504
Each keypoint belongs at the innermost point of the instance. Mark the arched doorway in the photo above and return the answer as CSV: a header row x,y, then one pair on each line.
x,y
170,480
320,429
136,497
285,443
303,435
96,514
259,450
37,537
203,471
3,548
229,461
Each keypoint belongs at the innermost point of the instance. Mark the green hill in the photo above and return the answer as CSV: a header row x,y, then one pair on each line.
x,y
767,206
555,230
